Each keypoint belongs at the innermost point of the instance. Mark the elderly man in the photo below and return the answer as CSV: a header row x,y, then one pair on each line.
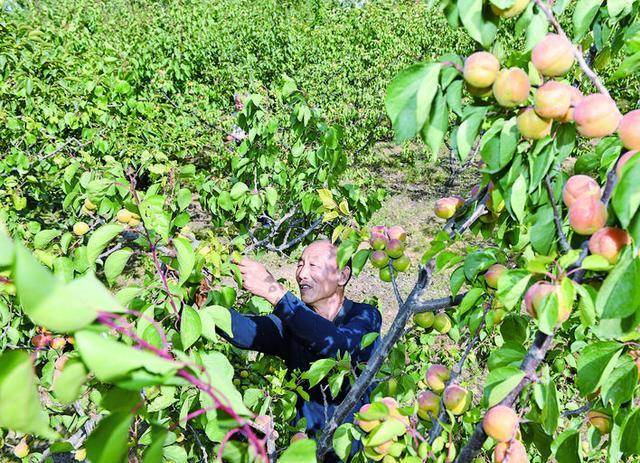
x,y
318,325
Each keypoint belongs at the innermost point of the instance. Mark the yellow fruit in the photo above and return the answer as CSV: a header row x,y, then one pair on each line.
x,y
80,228
80,455
123,216
22,449
89,205
133,222
518,7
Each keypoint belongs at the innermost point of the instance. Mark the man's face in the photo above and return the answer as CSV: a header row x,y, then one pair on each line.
x,y
318,275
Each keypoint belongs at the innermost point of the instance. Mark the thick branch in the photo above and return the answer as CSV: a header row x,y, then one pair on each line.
x,y
433,305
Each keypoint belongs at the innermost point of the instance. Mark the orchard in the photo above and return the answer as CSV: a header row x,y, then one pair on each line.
x,y
129,197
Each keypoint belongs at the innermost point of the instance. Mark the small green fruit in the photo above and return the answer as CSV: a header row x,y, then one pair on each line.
x,y
424,319
442,323
385,274
401,264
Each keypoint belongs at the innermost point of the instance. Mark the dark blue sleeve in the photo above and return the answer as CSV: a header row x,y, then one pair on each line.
x,y
322,336
260,333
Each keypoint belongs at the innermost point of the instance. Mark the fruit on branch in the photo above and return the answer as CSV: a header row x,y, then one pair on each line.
x,y
89,205
476,92
41,340
587,215
498,316
456,399
244,374
134,221
596,116
80,228
511,87
124,216
531,125
575,97
298,436
395,248
263,422
535,296
379,259
580,186
396,232
58,343
599,420
366,426
80,454
378,241
445,208
629,130
514,10
493,274
424,319
623,160
553,55
500,423
428,402
437,375
385,274
442,323
393,406
379,230
481,69
22,449
495,203
552,100
401,264
510,452
608,242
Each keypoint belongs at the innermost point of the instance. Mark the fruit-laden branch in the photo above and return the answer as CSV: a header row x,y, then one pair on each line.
x,y
586,69
534,356
275,227
564,244
407,309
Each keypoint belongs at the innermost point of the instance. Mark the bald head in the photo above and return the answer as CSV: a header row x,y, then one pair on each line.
x,y
318,274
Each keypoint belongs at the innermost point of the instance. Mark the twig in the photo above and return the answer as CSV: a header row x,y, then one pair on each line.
x,y
437,304
577,411
564,244
394,283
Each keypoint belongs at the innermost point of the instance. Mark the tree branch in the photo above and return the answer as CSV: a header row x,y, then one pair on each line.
x,y
564,244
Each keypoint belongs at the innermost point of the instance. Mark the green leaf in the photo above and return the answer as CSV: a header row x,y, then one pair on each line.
x,y
434,130
100,239
478,262
219,373
596,263
385,431
629,443
511,286
468,130
518,198
67,386
186,258
500,383
619,295
154,216
509,354
343,438
565,447
536,30
44,237
626,195
583,16
409,97
115,263
618,387
615,7
218,316
109,360
481,28
346,250
183,198
238,190
190,327
595,363
302,451
549,405
543,232
20,408
153,453
108,442
359,260
368,339
318,370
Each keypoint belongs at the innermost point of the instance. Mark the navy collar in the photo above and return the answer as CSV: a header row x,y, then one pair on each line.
x,y
347,305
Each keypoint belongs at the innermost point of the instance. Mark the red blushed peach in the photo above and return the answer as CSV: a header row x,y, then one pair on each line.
x,y
552,100
428,403
445,207
500,423
511,87
596,116
580,186
456,399
553,55
587,215
437,375
623,160
366,426
493,274
511,452
535,295
532,126
481,69
608,242
629,130
576,97
397,233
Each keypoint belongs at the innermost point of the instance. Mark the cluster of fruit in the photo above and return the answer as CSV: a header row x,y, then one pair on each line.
x,y
126,217
427,320
46,339
456,399
501,423
377,444
388,246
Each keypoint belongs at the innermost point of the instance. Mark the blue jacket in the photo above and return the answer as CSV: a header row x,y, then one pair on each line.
x,y
300,336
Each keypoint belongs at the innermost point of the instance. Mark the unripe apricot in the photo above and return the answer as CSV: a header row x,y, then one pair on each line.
x,y
378,241
535,295
629,130
575,96
580,186
599,420
298,436
596,116
456,399
442,323
500,423
608,242
531,125
481,69
89,205
428,402
437,375
424,319
379,259
514,10
553,55
366,426
493,274
552,100
587,215
385,274
511,452
446,207
511,87
397,233
401,264
80,228
395,248
123,216
623,160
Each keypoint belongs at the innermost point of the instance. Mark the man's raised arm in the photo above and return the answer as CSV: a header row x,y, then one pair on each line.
x,y
259,333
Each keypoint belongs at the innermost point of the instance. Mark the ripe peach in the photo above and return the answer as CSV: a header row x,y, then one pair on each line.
x,y
535,295
511,87
599,420
442,323
424,319
553,55
379,259
596,116
629,130
397,233
493,274
437,375
587,215
580,186
298,436
428,402
608,242
623,160
511,452
58,343
518,7
393,406
575,96
401,264
446,207
481,69
395,248
41,340
552,100
500,423
532,126
366,426
456,399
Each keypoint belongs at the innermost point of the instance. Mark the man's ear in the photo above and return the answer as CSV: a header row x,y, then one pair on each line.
x,y
345,275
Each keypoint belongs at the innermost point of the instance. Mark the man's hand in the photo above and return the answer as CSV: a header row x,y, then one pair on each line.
x,y
258,281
